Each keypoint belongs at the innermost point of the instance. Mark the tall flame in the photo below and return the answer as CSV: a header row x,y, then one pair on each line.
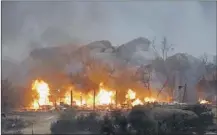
x,y
104,96
43,91
130,94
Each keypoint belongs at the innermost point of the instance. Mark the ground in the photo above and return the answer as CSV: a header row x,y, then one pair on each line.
x,y
40,121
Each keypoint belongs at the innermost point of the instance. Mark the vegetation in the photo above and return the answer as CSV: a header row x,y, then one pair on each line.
x,y
141,120
69,122
14,97
13,124
205,117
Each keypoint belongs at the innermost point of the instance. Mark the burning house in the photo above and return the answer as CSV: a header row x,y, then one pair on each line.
x,y
99,74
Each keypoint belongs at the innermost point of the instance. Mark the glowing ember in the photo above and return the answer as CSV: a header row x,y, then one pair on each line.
x,y
43,92
204,101
130,94
150,100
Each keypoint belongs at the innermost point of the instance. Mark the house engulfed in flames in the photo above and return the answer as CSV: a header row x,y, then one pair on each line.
x,y
103,97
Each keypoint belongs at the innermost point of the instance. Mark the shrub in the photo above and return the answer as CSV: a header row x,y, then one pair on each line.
x,y
89,122
13,123
63,127
68,123
142,121
205,117
68,114
173,120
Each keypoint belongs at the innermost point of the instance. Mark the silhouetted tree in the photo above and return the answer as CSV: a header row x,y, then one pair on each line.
x,y
9,97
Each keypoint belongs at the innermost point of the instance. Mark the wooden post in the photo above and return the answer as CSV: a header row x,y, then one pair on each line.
x,y
184,94
81,98
149,89
71,97
32,129
94,99
55,103
116,98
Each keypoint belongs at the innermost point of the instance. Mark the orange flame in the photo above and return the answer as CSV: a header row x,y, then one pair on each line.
x,y
137,102
202,101
130,94
150,99
43,92
103,97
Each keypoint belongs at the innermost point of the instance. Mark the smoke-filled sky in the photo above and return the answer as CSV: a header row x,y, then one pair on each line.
x,y
189,25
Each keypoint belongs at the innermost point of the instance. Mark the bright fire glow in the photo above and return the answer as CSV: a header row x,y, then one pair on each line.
x,y
150,100
43,92
78,98
103,96
137,102
202,101
130,94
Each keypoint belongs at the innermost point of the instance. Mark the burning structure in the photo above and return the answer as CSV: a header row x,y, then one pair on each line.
x,y
100,74
104,97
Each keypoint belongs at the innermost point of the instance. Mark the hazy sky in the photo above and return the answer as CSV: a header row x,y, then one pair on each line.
x,y
189,25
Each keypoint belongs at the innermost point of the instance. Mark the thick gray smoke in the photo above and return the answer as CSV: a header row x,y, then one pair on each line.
x,y
190,25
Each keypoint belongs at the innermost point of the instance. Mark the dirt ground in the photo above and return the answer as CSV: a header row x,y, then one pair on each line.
x,y
40,121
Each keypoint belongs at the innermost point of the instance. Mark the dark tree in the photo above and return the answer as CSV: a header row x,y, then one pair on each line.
x,y
8,95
